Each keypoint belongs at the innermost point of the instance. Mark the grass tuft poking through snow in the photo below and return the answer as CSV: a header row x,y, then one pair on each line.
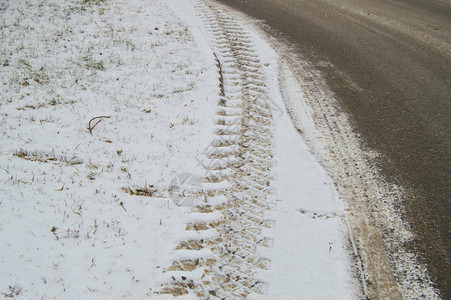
x,y
68,228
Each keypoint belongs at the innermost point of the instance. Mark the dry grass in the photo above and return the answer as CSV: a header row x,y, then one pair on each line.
x,y
91,2
47,157
147,191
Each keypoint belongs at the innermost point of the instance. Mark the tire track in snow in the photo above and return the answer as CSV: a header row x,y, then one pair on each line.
x,y
221,258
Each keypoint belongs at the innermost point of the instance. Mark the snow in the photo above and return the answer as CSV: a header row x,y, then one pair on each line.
x,y
310,255
71,226
157,95
309,249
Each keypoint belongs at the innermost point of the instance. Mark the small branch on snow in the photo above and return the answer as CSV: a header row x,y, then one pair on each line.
x,y
221,77
90,128
93,262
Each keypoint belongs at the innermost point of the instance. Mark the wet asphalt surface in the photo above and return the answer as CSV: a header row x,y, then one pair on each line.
x,y
390,68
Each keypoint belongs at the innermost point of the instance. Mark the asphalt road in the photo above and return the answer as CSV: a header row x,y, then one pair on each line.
x,y
391,70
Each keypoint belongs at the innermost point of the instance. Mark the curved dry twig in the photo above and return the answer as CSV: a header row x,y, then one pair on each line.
x,y
90,128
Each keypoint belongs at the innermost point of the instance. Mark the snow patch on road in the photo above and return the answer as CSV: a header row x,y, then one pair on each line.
x,y
378,233
310,256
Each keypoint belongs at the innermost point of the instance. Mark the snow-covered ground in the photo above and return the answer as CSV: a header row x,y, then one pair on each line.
x,y
85,209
